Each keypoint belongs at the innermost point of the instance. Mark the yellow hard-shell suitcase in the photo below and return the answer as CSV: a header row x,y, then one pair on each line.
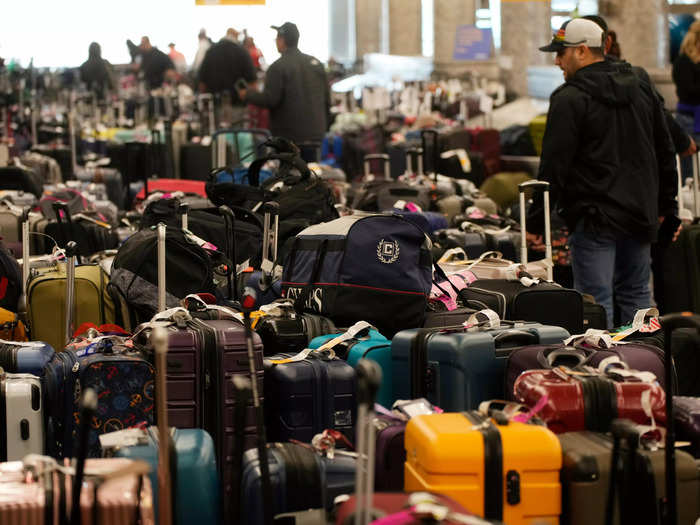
x,y
502,471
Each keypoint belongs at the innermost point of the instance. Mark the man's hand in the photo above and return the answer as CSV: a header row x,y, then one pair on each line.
x,y
242,93
692,149
680,226
535,241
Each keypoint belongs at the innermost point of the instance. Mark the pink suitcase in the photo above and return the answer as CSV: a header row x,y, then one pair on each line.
x,y
30,489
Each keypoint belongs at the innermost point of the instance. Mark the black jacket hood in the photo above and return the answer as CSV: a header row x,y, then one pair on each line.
x,y
610,84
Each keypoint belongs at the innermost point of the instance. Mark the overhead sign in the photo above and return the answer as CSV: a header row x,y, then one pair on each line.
x,y
472,43
229,2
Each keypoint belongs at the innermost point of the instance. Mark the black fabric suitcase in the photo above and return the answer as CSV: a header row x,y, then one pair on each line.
x,y
20,179
546,303
473,243
291,332
195,161
306,397
444,318
585,478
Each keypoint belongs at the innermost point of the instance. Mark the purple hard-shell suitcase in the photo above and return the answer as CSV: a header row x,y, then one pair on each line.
x,y
687,417
202,358
390,454
638,356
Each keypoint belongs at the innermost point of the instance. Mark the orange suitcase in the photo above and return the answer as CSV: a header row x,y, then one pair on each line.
x,y
502,471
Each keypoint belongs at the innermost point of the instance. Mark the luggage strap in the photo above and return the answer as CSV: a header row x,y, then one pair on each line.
x,y
327,348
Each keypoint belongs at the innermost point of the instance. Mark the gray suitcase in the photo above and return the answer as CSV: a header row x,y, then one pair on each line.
x,y
21,413
586,476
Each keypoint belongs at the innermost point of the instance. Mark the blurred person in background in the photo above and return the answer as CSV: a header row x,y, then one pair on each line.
x,y
204,45
96,72
155,65
255,54
178,59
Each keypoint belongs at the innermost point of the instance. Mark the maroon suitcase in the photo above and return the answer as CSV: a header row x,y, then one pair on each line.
x,y
488,143
576,400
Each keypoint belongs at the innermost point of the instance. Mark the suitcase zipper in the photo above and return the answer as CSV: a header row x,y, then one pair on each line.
x,y
502,302
493,464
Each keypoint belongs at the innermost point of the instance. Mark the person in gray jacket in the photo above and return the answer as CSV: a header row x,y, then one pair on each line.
x,y
296,91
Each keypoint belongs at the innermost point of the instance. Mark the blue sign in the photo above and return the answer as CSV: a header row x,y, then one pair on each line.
x,y
472,43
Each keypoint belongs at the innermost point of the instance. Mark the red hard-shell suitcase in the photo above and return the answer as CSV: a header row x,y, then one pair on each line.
x,y
571,400
488,143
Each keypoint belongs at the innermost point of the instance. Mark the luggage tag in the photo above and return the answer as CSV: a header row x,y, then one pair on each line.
x,y
592,337
414,407
638,324
199,241
482,319
613,367
326,350
129,437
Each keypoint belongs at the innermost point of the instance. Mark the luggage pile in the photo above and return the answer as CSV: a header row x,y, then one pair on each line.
x,y
273,342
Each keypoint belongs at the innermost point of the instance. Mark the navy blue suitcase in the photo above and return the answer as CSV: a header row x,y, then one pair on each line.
x,y
301,479
25,357
306,397
456,369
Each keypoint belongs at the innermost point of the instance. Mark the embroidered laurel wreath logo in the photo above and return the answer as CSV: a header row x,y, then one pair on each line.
x,y
388,251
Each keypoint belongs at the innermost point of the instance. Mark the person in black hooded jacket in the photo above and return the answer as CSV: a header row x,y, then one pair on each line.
x,y
96,72
608,157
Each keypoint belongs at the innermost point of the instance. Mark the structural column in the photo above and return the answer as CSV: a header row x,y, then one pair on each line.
x,y
368,17
525,26
642,30
449,14
405,27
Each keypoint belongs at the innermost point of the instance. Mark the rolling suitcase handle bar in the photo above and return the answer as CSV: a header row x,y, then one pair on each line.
x,y
248,302
242,391
271,223
669,323
182,210
88,408
681,206
161,267
414,153
436,150
71,250
369,378
523,187
230,222
386,163
159,339
696,189
25,257
218,154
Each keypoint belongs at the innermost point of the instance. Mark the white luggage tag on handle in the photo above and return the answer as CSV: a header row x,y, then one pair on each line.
x,y
637,323
613,366
593,337
482,319
327,347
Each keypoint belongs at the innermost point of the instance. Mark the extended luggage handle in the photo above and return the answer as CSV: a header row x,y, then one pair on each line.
x,y
369,378
271,221
218,146
242,394
417,154
670,323
696,186
621,429
230,222
683,213
88,408
64,221
436,148
544,186
161,254
386,164
159,341
71,258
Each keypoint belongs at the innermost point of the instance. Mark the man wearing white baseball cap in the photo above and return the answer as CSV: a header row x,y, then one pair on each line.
x,y
608,157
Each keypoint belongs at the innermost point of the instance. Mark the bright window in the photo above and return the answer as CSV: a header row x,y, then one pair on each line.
x,y
428,28
59,33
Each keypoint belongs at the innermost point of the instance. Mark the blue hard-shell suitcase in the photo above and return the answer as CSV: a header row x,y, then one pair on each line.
x,y
456,369
301,479
25,357
372,346
196,489
306,397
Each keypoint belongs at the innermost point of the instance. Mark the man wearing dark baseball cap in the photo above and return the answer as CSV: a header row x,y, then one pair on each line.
x,y
296,91
608,157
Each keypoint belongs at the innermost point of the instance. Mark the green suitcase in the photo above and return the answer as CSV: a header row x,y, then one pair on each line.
x,y
46,293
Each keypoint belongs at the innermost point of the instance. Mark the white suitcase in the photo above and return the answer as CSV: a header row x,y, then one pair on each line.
x,y
21,402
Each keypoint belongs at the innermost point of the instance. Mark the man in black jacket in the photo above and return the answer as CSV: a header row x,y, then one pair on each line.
x,y
608,157
96,72
296,91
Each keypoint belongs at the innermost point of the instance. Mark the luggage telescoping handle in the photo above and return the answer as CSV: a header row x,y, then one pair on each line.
x,y
183,209
161,267
544,186
271,222
417,154
241,392
248,302
26,254
696,186
620,429
71,257
88,408
64,221
230,222
669,323
369,378
218,142
386,164
159,340
424,134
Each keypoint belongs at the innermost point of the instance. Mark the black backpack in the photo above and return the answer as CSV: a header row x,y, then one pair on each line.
x,y
10,280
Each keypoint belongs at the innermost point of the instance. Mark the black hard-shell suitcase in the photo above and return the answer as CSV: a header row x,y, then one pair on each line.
x,y
306,397
195,161
291,332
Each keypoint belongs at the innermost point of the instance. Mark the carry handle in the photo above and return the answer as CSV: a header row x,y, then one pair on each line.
x,y
386,163
670,323
548,359
88,409
161,267
517,337
71,257
436,151
159,340
544,186
230,222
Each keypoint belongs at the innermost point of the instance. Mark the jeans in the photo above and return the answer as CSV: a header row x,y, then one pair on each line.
x,y
607,268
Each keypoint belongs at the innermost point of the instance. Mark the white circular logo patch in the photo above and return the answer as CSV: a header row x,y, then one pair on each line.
x,y
388,251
